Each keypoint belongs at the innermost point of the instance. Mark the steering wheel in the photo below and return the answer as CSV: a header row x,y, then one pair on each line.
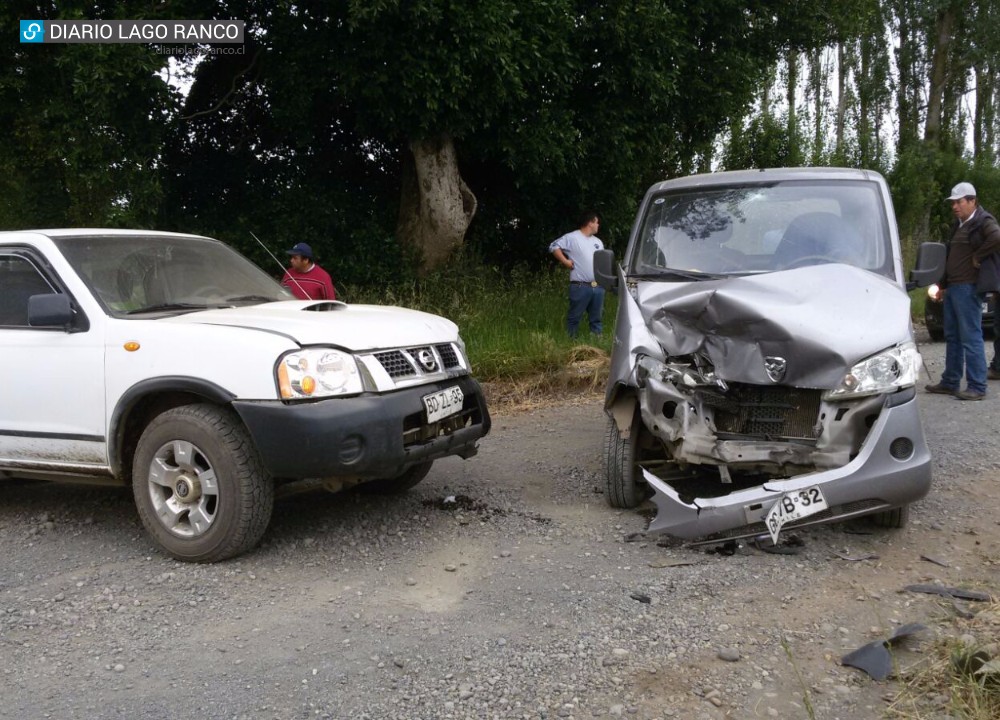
x,y
809,260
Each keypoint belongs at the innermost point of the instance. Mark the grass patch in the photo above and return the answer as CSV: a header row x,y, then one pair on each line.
x,y
960,678
513,324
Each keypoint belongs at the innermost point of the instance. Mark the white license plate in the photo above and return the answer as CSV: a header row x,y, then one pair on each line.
x,y
443,403
794,506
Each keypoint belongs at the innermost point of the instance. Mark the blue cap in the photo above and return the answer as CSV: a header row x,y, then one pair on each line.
x,y
302,249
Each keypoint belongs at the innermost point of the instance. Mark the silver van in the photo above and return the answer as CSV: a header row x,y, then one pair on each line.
x,y
764,367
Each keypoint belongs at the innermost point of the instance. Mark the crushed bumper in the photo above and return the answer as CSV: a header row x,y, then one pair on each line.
x,y
878,478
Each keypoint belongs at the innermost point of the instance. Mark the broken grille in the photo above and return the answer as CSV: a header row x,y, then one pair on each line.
x,y
767,412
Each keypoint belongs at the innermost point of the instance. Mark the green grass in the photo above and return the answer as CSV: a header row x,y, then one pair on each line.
x,y
514,325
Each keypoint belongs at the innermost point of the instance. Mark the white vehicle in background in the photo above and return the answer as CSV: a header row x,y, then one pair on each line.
x,y
172,363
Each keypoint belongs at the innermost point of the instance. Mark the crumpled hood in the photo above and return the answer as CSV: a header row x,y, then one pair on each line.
x,y
352,327
821,320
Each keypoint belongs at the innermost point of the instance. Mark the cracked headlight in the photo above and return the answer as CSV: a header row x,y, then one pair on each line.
x,y
890,370
316,373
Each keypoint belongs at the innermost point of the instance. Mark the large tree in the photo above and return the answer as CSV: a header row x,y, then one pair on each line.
x,y
84,125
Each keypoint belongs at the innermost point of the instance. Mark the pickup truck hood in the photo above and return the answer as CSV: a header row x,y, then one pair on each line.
x,y
352,327
821,320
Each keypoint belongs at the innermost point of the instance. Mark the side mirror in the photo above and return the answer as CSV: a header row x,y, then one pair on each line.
x,y
604,270
931,257
50,310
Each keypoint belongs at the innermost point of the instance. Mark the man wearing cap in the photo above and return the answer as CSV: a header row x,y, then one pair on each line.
x,y
575,250
306,279
972,269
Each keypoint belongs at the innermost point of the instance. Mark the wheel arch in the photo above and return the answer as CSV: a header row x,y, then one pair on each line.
x,y
144,401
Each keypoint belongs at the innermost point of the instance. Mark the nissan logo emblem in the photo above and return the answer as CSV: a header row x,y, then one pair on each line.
x,y
426,359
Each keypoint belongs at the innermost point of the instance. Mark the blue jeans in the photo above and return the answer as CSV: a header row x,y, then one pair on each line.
x,y
963,336
591,299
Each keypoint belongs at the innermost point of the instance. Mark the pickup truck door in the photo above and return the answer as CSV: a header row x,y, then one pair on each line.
x,y
52,415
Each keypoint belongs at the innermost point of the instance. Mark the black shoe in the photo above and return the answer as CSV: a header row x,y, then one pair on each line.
x,y
993,374
940,389
970,395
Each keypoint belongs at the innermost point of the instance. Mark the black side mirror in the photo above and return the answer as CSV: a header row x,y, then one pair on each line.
x,y
50,310
604,270
931,257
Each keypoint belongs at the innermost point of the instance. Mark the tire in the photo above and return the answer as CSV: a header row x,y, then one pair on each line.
x,y
399,484
204,453
625,488
936,335
896,518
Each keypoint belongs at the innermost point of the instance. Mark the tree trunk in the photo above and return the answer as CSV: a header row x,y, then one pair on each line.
x,y
844,63
943,29
983,149
791,91
436,206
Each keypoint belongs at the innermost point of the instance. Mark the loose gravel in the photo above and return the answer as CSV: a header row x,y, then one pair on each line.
x,y
501,587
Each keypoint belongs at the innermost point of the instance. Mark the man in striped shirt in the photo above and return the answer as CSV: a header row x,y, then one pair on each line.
x,y
305,279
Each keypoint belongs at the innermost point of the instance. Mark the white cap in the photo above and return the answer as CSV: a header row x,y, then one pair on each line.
x,y
962,190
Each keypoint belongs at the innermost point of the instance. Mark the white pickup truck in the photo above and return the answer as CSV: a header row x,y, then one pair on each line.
x,y
173,364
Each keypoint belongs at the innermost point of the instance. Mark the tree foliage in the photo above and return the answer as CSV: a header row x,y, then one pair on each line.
x,y
550,107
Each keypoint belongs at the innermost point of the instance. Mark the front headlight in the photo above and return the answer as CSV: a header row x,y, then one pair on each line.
x,y
317,372
890,370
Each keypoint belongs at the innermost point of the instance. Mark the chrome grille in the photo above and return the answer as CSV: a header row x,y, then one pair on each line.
x,y
394,362
449,358
763,411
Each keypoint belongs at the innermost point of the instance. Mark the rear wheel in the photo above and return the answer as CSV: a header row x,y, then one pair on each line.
x,y
199,484
937,335
399,484
895,518
625,488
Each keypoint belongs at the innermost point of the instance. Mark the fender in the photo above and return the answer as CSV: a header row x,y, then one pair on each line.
x,y
153,386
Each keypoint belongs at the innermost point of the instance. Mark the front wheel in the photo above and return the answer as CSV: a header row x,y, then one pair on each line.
x,y
896,518
199,484
625,488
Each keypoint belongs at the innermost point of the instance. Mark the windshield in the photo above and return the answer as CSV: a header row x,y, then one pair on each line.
x,y
131,275
763,228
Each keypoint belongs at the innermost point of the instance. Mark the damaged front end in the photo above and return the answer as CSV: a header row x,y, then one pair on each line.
x,y
737,405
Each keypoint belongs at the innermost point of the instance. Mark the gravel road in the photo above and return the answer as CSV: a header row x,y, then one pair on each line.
x,y
525,597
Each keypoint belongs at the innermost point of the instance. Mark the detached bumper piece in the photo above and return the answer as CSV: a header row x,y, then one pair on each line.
x,y
891,470
368,436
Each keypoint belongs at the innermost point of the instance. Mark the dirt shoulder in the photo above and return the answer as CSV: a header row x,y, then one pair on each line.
x,y
501,587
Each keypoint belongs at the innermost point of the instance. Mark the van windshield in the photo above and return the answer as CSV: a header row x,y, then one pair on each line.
x,y
763,228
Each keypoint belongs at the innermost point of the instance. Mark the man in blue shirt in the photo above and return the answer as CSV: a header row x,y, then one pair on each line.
x,y
575,250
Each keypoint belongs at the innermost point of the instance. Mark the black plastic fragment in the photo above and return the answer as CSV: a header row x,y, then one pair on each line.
x,y
951,592
874,658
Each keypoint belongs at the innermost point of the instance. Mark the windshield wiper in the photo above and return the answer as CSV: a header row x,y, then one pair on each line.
x,y
168,306
248,298
671,273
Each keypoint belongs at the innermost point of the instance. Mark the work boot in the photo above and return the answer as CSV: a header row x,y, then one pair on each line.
x,y
940,389
970,395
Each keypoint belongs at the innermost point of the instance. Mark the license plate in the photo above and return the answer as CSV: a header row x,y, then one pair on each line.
x,y
794,506
443,403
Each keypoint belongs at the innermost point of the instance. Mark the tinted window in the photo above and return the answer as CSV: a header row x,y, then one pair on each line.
x,y
19,280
